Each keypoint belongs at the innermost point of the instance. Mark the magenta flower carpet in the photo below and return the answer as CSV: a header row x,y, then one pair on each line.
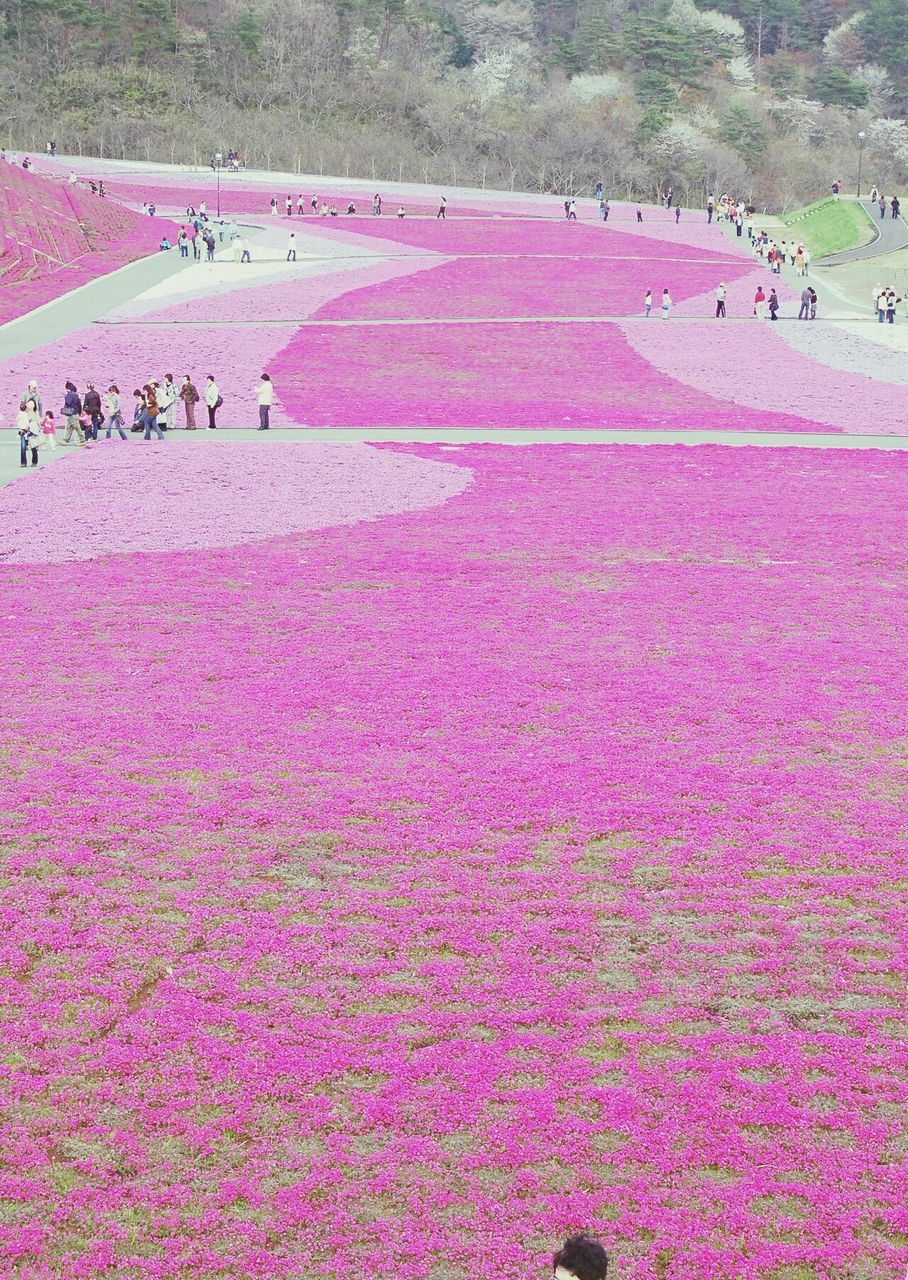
x,y
386,896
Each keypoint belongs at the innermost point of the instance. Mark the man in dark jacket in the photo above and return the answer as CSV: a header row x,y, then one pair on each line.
x,y
92,406
72,407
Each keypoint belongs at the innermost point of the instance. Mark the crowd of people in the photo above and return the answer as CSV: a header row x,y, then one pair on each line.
x,y
158,406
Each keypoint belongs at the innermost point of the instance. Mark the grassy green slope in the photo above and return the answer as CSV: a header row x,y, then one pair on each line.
x,y
830,226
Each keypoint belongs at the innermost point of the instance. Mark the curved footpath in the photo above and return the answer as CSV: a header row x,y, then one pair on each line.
x,y
892,234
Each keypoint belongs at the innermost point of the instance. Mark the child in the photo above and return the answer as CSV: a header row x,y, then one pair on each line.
x,y
85,422
49,431
114,416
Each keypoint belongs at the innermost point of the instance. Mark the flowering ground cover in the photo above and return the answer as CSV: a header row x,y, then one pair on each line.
x,y
505,375
759,369
534,236
387,899
562,286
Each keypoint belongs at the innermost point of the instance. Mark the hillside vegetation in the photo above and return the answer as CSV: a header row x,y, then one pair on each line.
x,y
759,97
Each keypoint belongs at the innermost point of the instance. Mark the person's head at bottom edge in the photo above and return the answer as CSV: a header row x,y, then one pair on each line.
x,y
580,1258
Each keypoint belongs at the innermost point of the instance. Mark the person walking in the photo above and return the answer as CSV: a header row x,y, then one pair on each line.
x,y
804,312
442,205
813,303
49,431
604,209
773,305
720,302
892,302
882,204
666,303
739,225
572,211
300,206
91,404
894,206
639,214
72,409
288,205
213,401
598,192
881,305
114,416
210,244
190,397
274,206
291,247
265,395
648,303
677,214
710,208
760,303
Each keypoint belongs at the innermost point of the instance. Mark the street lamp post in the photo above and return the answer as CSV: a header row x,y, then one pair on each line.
x,y
860,159
219,160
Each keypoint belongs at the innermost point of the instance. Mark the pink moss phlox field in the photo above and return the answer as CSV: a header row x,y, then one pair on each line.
x,y
538,236
545,286
487,375
145,496
383,900
130,354
281,299
838,399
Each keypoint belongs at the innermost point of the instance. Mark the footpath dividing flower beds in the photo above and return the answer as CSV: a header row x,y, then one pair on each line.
x,y
386,899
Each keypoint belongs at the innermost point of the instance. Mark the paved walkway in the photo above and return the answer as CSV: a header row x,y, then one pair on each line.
x,y
10,468
892,234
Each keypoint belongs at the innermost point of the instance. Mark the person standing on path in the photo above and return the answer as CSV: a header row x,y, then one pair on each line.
x,y
604,209
882,203
710,209
892,302
190,397
773,305
72,409
442,205
49,431
805,304
300,206
881,305
720,302
648,303
639,214
265,395
760,303
150,415
167,402
291,247
31,392
677,214
666,303
376,205
813,302
213,401
274,206
114,416
895,206
288,205
29,428
572,211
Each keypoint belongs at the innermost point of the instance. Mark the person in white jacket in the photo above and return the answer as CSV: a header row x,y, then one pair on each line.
x,y
265,394
213,401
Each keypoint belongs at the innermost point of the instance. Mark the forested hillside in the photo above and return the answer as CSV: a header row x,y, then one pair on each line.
x,y
765,97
